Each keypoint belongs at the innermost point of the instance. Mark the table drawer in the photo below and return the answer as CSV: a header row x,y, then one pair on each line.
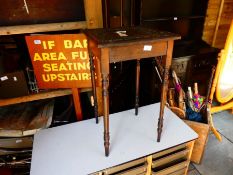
x,y
168,151
137,170
173,161
175,169
181,155
134,171
132,167
145,50
178,172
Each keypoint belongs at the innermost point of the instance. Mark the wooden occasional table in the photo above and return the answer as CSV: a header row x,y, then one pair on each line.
x,y
129,43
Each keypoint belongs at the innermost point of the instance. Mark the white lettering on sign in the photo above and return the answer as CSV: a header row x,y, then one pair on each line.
x,y
4,78
37,41
147,47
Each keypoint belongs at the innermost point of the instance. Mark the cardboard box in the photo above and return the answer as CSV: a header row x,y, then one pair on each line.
x,y
202,129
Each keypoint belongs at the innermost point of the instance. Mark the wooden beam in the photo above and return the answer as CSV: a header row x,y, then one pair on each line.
x,y
217,23
34,28
77,104
93,13
39,96
94,19
42,95
210,20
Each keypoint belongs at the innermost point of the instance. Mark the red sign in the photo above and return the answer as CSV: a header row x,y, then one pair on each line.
x,y
60,61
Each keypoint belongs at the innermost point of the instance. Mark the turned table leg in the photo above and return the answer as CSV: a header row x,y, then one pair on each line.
x,y
93,83
137,87
105,85
105,95
163,102
167,65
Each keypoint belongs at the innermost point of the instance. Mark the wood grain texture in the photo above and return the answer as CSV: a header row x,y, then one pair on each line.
x,y
93,12
166,160
105,96
190,146
136,51
109,46
124,166
163,99
217,22
34,28
18,12
94,19
97,52
162,161
172,169
202,130
25,118
137,87
211,20
16,143
170,158
134,35
77,104
32,97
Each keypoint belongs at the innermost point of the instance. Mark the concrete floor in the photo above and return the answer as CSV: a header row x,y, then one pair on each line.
x,y
218,156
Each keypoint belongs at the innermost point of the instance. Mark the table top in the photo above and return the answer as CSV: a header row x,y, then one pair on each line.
x,y
78,148
124,35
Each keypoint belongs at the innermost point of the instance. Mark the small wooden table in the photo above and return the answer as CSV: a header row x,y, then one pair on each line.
x,y
129,43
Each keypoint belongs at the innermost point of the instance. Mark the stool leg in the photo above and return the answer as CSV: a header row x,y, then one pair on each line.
x,y
105,85
163,101
167,65
137,87
93,83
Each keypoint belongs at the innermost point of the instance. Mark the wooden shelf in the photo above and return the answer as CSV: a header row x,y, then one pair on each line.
x,y
32,97
94,19
34,28
173,18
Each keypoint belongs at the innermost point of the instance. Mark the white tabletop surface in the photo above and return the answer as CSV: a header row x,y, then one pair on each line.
x,y
78,148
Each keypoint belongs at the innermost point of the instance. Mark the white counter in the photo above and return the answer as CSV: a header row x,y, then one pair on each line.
x,y
78,148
